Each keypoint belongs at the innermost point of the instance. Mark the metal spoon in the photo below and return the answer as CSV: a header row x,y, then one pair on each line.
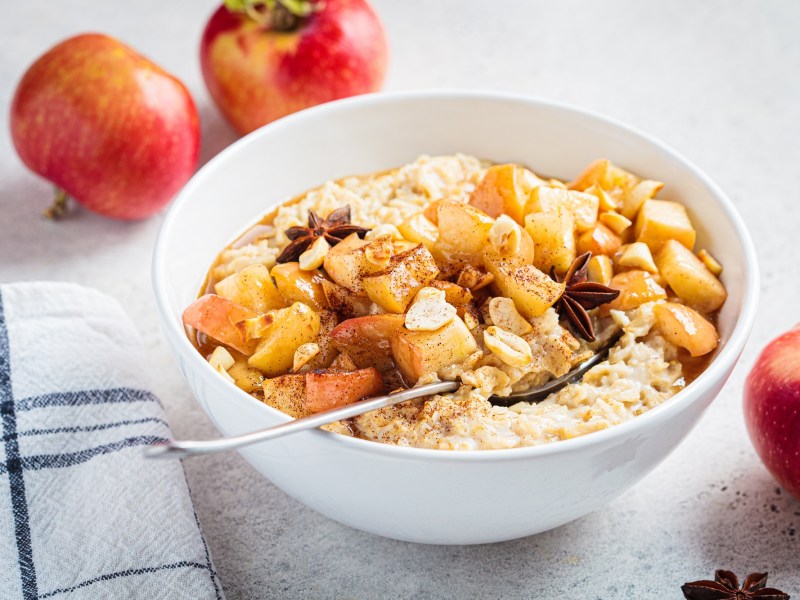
x,y
187,448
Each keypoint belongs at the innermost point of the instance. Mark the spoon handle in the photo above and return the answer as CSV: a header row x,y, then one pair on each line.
x,y
184,449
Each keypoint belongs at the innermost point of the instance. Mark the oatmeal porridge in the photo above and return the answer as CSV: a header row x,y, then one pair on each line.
x,y
453,268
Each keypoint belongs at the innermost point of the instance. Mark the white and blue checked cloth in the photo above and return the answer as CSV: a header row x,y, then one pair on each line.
x,y
83,515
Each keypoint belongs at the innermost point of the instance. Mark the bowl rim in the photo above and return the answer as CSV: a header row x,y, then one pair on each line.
x,y
724,361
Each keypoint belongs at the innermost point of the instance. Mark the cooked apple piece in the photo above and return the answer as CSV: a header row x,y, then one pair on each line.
x,y
431,211
244,376
605,175
373,332
638,256
600,269
532,291
686,328
635,288
251,287
581,205
615,221
343,362
296,285
419,352
293,327
408,272
419,229
331,389
553,239
454,294
463,233
499,193
217,318
689,278
474,279
528,180
346,263
711,263
545,198
600,240
661,220
286,393
344,302
634,197
328,320
606,202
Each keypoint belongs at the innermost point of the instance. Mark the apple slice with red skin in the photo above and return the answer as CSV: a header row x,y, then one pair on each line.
x,y
326,390
367,339
217,317
772,409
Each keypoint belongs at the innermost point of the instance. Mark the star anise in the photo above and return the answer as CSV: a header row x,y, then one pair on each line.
x,y
581,296
334,229
726,587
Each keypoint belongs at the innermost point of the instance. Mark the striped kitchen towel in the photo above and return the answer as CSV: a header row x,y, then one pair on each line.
x,y
82,513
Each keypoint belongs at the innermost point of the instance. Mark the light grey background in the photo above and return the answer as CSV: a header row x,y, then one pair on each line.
x,y
719,81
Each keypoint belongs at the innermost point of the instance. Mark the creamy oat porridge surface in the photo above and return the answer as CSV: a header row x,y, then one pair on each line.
x,y
409,300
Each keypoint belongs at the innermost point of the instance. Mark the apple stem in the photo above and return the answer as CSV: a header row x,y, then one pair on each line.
x,y
279,15
59,207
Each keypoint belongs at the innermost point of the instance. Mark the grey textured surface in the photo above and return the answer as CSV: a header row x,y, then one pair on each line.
x,y
718,80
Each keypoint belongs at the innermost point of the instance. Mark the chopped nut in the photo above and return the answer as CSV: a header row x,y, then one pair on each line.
x,y
473,279
615,221
381,230
504,314
303,354
379,251
470,319
315,255
510,348
222,360
711,263
638,256
429,314
430,293
505,235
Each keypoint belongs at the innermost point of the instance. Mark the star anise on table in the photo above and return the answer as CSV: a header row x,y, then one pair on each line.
x,y
726,587
334,229
580,296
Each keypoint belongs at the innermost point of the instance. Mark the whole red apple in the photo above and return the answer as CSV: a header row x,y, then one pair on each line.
x,y
264,61
772,409
106,126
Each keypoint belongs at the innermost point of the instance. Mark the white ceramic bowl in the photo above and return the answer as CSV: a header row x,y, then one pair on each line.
x,y
436,496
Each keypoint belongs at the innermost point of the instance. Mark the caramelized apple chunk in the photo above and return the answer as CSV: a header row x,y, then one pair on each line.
x,y
326,390
408,272
419,229
689,278
417,353
251,287
532,291
635,288
346,263
297,285
686,328
291,328
600,240
553,235
217,318
500,193
659,221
